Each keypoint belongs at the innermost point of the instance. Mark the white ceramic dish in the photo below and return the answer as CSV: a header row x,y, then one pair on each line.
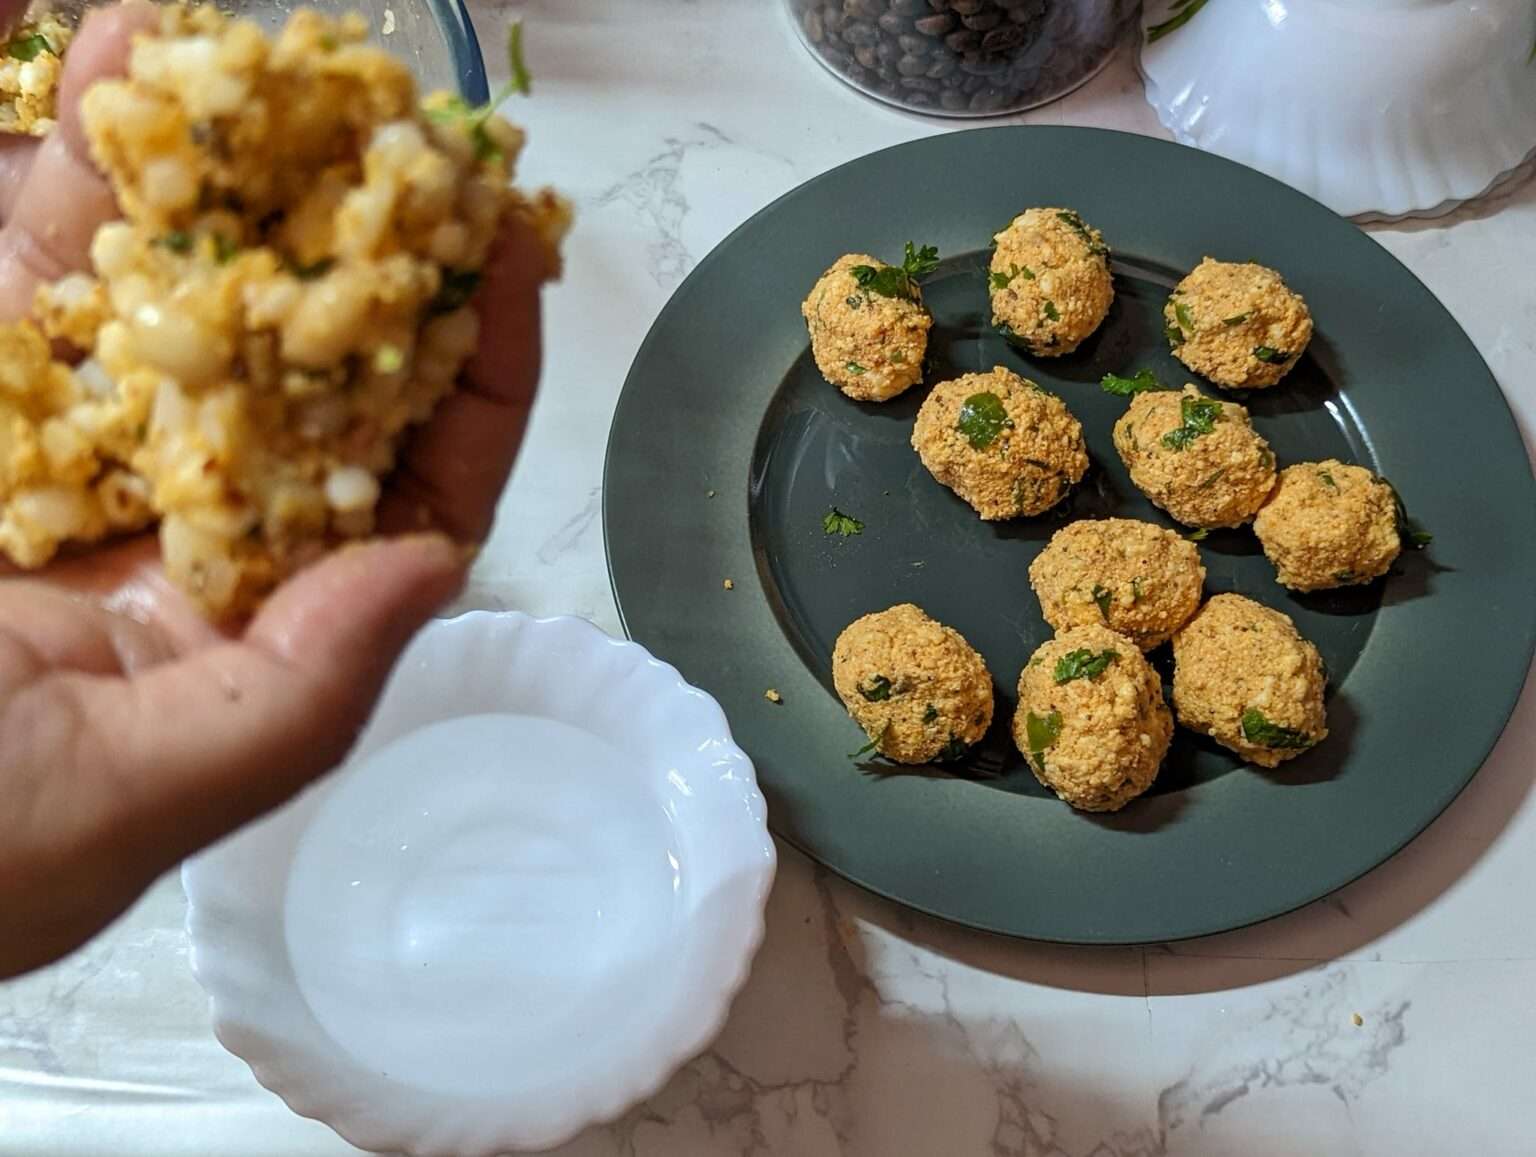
x,y
1378,108
528,897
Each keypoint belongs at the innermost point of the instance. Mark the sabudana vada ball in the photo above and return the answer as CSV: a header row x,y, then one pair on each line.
x,y
1050,281
1091,720
1243,675
869,344
1140,580
915,686
1198,458
1329,524
1237,324
1000,442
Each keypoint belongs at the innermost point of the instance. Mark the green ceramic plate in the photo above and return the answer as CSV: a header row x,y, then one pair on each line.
x,y
724,399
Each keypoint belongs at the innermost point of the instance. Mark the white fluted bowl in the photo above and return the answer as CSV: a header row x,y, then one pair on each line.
x,y
1378,108
527,898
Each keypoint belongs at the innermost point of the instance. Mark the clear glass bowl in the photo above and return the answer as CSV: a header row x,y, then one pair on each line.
x,y
435,37
963,57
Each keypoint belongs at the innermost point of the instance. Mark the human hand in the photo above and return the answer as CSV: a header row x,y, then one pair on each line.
x,y
133,732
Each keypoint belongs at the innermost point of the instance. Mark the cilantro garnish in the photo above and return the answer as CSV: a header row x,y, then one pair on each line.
x,y
1199,417
898,281
1413,536
982,419
177,241
1103,597
1236,320
1260,732
1080,227
854,368
1270,355
1083,664
1001,280
1143,382
1050,310
1041,734
836,522
457,111
879,689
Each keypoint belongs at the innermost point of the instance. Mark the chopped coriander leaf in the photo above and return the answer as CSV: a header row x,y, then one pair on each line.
x,y
389,359
1270,355
1001,280
930,713
1237,320
1144,381
1185,319
224,249
1413,536
854,368
879,689
953,750
177,241
873,743
1328,479
1041,733
28,47
457,288
1199,417
1183,10
519,79
1080,227
853,301
1213,479
1260,732
898,357
1135,590
1050,310
314,269
1174,334
1103,597
1197,535
1344,576
898,281
982,419
836,522
1083,664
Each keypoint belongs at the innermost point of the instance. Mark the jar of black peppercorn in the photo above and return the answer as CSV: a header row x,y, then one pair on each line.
x,y
963,57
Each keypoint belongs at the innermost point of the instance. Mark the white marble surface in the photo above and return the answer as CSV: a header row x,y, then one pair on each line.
x,y
866,1031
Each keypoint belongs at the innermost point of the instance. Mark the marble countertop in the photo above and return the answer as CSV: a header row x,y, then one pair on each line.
x,y
1394,1017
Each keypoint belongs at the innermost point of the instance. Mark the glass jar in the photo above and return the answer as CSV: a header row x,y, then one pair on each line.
x,y
963,57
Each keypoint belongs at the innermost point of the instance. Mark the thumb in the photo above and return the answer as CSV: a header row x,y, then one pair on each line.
x,y
207,743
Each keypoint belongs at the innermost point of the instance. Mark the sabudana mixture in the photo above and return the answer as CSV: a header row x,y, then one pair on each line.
x,y
916,687
1140,580
1237,324
869,327
1050,281
1243,675
288,293
1000,442
1091,720
31,63
1199,459
1329,524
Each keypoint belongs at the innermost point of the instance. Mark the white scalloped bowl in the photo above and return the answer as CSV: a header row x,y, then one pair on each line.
x,y
528,897
1378,108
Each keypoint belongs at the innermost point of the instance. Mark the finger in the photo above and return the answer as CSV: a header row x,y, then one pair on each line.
x,y
191,749
17,152
45,628
63,199
456,465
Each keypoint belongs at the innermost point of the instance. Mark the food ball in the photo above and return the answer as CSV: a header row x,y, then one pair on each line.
x,y
1329,524
1199,459
1000,442
1091,721
867,343
1237,324
1243,675
1139,580
916,687
1050,281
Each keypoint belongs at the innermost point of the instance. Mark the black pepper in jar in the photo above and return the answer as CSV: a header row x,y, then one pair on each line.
x,y
963,57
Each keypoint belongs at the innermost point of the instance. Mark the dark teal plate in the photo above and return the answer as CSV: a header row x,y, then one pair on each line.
x,y
724,398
